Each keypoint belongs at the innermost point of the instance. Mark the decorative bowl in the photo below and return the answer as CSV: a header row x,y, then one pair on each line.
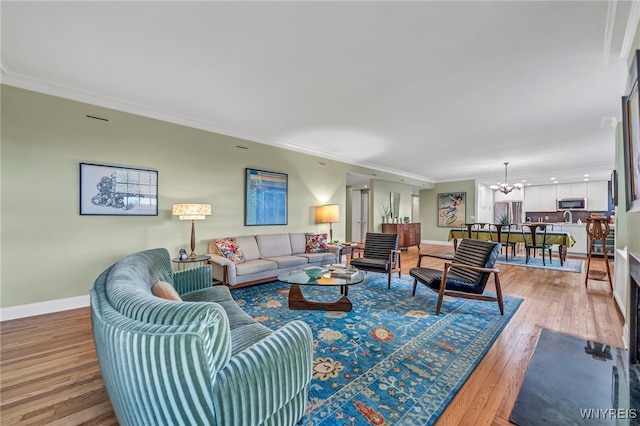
x,y
314,271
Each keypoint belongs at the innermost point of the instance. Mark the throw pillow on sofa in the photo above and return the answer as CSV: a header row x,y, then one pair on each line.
x,y
229,248
316,243
165,290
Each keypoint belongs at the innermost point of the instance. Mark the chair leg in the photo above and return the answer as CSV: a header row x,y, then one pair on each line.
x,y
389,279
415,285
443,284
550,262
496,279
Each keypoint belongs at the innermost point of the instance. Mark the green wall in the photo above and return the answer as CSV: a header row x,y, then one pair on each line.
x,y
429,207
379,196
50,252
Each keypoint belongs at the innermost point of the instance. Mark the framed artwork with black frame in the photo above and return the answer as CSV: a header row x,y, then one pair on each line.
x,y
631,136
118,191
265,198
613,188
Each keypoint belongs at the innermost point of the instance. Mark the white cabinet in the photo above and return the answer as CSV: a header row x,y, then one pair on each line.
x,y
540,198
598,196
548,198
532,199
571,190
515,195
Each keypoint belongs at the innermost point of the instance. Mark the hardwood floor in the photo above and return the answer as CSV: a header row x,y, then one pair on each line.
x,y
49,372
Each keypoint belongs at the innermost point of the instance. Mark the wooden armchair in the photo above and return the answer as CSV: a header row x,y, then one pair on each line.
x,y
381,254
466,276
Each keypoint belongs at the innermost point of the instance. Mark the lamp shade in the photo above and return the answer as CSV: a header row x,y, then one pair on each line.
x,y
329,213
192,211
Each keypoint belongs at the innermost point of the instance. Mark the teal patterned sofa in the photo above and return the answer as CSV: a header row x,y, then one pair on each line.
x,y
199,361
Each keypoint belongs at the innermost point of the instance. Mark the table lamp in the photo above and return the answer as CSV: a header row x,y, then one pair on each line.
x,y
192,212
329,213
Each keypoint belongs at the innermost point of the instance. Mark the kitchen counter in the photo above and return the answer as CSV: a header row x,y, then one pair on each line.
x,y
579,233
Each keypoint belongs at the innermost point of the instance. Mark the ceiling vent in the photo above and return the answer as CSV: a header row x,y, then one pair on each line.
x,y
95,117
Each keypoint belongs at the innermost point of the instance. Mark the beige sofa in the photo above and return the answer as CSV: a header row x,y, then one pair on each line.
x,y
267,256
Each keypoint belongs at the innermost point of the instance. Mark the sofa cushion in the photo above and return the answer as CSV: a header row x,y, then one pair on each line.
x,y
298,242
249,246
273,245
288,261
253,266
165,290
218,294
229,248
319,257
316,243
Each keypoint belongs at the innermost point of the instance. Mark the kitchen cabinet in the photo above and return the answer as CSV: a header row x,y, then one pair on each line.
x,y
515,195
598,196
532,199
540,198
548,198
571,190
408,233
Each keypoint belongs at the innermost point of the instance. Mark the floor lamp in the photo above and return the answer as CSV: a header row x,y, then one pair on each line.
x,y
329,213
192,212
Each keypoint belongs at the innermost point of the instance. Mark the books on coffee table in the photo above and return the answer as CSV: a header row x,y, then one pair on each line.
x,y
344,273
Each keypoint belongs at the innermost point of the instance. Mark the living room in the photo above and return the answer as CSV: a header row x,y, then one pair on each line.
x,y
45,137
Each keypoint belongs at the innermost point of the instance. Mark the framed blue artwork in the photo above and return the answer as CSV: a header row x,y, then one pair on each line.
x,y
265,198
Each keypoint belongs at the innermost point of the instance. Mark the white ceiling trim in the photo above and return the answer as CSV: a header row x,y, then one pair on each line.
x,y
46,87
630,31
608,29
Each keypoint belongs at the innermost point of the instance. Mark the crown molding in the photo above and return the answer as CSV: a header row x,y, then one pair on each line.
x,y
42,86
630,30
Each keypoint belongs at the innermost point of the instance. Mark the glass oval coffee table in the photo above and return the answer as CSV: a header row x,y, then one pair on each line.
x,y
297,300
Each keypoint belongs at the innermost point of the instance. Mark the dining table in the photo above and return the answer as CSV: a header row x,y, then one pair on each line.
x,y
562,239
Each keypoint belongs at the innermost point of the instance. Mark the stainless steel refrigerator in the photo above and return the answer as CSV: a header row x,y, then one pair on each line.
x,y
511,209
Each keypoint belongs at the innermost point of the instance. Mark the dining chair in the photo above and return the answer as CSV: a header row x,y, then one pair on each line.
x,y
533,240
503,236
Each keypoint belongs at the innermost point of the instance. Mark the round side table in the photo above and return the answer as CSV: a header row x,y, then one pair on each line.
x,y
191,262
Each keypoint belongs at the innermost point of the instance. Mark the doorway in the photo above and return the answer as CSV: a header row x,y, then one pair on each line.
x,y
359,214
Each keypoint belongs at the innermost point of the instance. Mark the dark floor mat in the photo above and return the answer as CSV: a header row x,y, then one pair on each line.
x,y
573,381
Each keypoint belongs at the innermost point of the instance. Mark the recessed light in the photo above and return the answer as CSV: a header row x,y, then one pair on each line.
x,y
366,186
524,180
555,181
553,178
586,179
586,175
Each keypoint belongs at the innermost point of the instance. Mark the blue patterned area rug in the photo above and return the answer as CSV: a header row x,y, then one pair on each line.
x,y
391,360
570,265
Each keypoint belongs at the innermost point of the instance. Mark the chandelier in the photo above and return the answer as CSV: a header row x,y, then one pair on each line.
x,y
506,187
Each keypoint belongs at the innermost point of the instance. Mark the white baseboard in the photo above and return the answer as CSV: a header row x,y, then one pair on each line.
x,y
40,308
438,243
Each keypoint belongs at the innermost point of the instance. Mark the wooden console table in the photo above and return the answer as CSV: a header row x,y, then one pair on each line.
x,y
408,233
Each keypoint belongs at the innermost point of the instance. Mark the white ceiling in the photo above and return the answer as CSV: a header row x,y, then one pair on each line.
x,y
437,91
